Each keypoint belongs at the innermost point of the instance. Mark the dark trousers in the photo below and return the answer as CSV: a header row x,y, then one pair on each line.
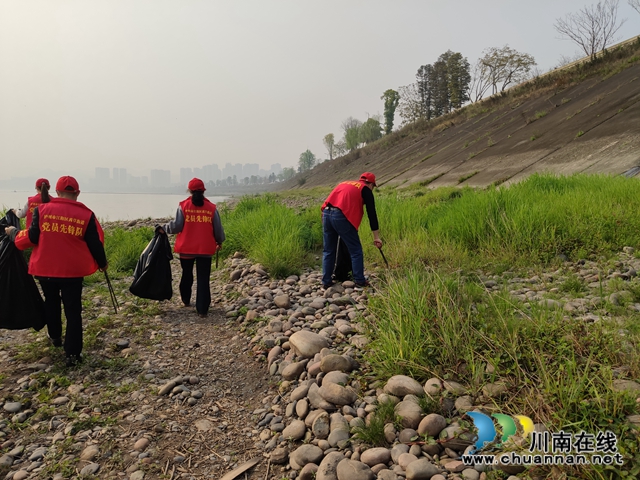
x,y
69,290
203,291
334,225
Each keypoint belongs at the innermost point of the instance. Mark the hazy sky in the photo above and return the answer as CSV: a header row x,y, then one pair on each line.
x,y
144,84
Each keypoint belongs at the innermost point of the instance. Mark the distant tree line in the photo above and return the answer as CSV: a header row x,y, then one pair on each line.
x,y
451,82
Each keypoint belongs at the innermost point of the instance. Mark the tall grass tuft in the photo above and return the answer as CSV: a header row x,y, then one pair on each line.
x,y
557,370
123,248
271,234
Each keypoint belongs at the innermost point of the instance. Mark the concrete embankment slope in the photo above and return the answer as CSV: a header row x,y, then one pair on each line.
x,y
589,127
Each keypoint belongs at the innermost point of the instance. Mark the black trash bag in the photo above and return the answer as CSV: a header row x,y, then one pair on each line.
x,y
21,305
152,276
342,270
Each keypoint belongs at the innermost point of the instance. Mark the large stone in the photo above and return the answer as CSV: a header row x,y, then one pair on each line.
x,y
308,472
421,469
433,386
279,456
454,387
328,466
432,425
336,437
338,422
340,378
293,371
317,400
282,301
306,344
410,413
337,394
333,363
90,453
620,385
374,456
398,450
300,392
405,459
274,353
305,454
320,426
401,385
295,430
354,470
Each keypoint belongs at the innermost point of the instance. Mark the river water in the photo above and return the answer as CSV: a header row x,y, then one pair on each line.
x,y
114,206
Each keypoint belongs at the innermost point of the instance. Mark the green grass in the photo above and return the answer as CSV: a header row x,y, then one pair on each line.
x,y
434,317
372,433
272,234
123,248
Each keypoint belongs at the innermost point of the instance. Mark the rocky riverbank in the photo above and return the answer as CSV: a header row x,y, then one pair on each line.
x,y
277,372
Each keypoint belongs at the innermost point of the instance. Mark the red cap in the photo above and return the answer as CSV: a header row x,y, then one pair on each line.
x,y
369,177
40,181
67,184
196,185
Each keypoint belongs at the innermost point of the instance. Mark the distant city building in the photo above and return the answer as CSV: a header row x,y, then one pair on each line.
x,y
160,178
186,174
250,169
102,175
116,175
122,176
276,168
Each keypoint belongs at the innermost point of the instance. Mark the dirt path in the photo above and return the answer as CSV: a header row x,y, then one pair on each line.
x,y
107,415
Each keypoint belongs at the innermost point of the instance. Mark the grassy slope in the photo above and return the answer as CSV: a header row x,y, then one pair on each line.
x,y
581,119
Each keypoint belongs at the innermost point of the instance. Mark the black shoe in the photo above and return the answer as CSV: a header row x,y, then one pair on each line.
x,y
56,342
362,285
72,360
327,285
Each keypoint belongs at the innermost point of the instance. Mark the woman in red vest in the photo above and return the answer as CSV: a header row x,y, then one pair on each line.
x,y
42,187
342,214
68,244
200,235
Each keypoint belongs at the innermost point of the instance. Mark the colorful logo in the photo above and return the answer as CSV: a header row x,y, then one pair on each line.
x,y
487,430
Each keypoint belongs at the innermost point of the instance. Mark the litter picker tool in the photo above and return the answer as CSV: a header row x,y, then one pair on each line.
x,y
216,259
383,257
114,300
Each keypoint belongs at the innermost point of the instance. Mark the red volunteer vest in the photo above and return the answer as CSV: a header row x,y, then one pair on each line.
x,y
32,202
61,251
347,196
196,237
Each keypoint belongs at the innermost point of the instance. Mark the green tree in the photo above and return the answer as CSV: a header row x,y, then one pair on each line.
x,y
391,99
443,86
409,106
425,81
370,131
307,161
351,128
330,144
341,148
287,173
458,79
505,66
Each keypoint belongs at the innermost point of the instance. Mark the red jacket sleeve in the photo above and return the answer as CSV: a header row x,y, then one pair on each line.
x,y
22,240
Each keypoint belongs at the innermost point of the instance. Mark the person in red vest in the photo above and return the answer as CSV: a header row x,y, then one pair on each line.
x,y
342,213
42,187
68,244
200,235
